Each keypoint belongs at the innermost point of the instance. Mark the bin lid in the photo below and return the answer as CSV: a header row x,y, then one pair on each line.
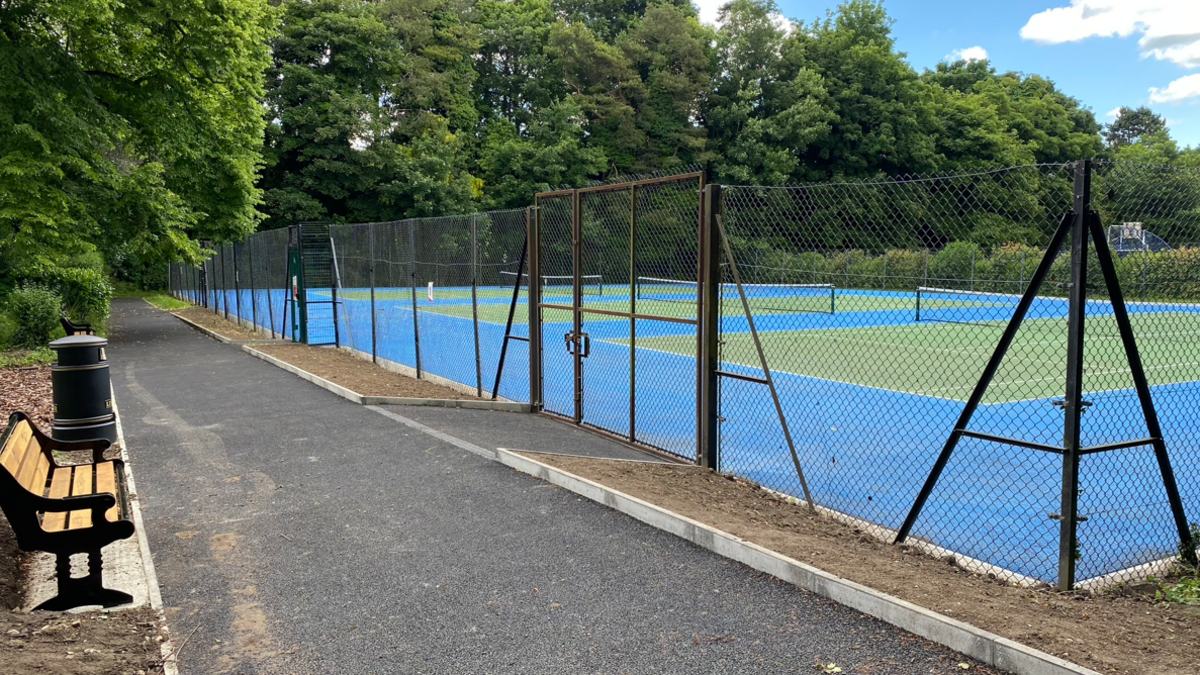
x,y
76,341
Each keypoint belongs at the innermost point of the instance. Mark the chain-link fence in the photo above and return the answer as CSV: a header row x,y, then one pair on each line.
x,y
879,306
876,307
432,297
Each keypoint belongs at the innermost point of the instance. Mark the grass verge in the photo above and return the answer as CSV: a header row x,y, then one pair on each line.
x,y
26,358
157,298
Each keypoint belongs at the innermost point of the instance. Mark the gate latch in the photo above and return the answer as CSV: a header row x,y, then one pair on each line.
x,y
583,342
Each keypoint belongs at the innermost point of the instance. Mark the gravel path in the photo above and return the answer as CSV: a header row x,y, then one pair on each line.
x,y
294,531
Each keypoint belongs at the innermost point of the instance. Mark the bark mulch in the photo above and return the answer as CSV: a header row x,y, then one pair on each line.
x,y
1122,630
358,375
27,390
218,324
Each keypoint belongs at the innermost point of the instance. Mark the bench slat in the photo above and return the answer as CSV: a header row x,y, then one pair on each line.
x,y
81,485
14,449
106,481
37,483
60,486
33,453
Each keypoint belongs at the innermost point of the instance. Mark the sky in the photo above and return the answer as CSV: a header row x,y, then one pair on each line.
x,y
1105,53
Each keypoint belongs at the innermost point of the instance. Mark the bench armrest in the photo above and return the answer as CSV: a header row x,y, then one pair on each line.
x,y
97,446
97,503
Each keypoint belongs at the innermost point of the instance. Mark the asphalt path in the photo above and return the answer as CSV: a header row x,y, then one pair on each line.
x,y
296,532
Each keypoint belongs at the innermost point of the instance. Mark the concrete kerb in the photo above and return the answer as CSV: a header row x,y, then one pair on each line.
x,y
979,644
507,406
170,656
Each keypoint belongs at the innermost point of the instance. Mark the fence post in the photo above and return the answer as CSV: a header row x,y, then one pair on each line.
x,y
475,301
633,311
710,327
1072,401
334,281
270,309
371,268
237,286
224,286
412,252
533,252
253,299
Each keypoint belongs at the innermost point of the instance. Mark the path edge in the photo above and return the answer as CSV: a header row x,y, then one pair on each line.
x,y
170,663
986,647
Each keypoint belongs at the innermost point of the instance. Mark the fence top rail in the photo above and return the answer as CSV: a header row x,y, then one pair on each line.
x,y
902,179
617,187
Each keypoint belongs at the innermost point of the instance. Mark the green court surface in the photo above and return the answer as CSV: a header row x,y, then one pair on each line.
x,y
945,360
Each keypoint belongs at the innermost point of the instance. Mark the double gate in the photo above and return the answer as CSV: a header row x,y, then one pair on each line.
x,y
615,281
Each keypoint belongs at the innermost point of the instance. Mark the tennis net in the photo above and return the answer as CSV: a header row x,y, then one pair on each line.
x,y
787,298
949,305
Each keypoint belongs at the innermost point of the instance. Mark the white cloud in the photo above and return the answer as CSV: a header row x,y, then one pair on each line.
x,y
975,53
1169,29
709,9
1114,113
1184,88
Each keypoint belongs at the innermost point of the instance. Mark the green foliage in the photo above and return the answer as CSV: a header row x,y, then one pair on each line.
x,y
157,298
35,310
147,273
1133,125
401,108
25,358
955,263
1185,592
86,293
366,100
134,124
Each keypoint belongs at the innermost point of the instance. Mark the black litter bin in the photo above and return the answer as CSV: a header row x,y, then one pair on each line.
x,y
83,407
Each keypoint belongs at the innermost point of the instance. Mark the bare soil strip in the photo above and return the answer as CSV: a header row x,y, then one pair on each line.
x,y
218,324
1122,631
357,375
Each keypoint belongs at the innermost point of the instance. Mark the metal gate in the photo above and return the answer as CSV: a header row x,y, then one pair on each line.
x,y
615,276
314,284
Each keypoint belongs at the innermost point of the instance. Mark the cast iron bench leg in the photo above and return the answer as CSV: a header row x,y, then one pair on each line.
x,y
88,590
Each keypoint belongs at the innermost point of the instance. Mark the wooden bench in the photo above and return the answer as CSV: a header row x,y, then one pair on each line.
x,y
73,328
64,510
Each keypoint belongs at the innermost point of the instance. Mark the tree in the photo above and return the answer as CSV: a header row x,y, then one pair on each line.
x,y
874,95
134,125
550,155
360,126
668,49
1132,125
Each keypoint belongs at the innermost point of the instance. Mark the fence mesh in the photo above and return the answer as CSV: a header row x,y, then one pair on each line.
x,y
877,306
